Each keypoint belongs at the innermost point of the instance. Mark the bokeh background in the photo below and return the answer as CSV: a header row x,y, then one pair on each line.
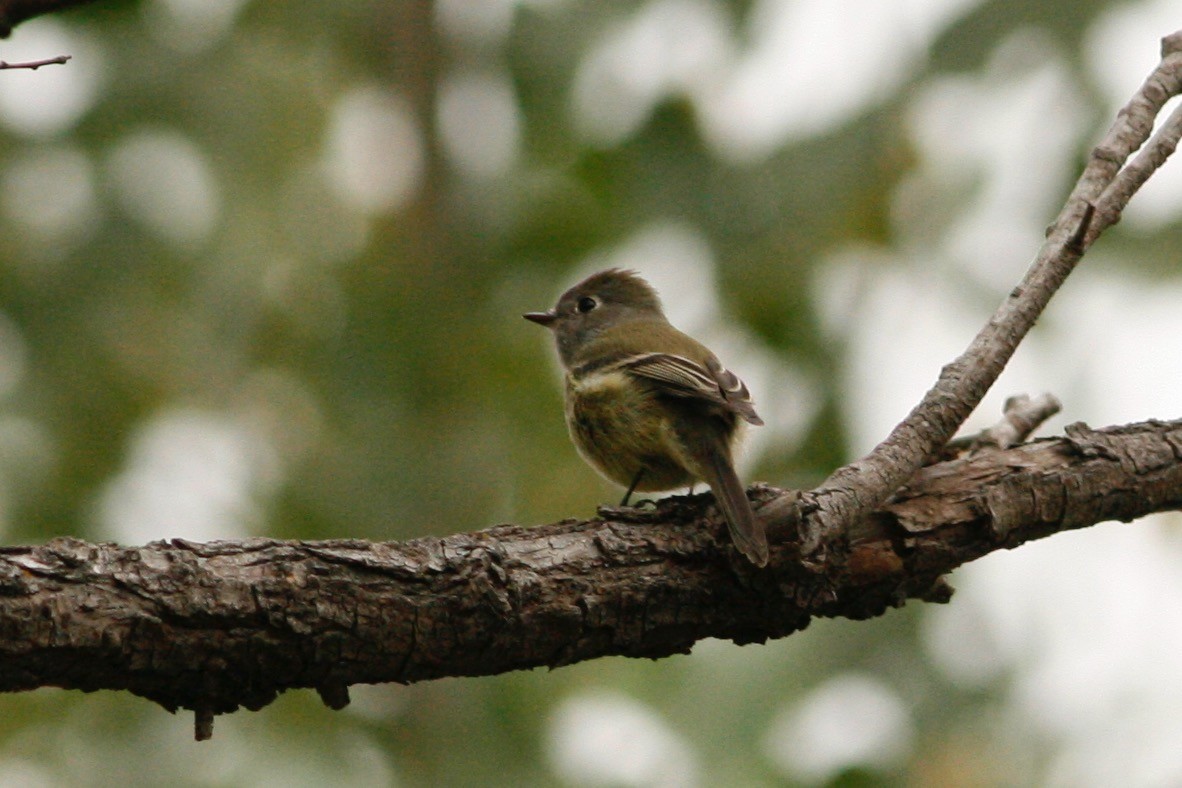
x,y
262,267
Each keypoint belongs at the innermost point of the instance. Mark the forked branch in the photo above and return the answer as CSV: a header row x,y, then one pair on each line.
x,y
1102,192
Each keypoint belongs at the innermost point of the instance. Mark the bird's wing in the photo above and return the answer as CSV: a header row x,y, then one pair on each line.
x,y
683,377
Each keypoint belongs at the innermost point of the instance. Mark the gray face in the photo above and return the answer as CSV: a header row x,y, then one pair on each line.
x,y
605,299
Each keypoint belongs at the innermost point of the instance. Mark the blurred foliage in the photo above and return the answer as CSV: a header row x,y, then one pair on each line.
x,y
302,320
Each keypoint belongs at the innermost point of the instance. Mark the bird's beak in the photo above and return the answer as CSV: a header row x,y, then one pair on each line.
x,y
542,318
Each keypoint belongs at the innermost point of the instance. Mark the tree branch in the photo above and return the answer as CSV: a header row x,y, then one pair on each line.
x,y
13,12
854,490
212,627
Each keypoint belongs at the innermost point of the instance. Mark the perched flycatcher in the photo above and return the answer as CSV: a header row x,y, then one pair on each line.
x,y
649,407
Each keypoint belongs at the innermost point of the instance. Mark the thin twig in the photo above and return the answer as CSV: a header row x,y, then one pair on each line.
x,y
33,65
1133,176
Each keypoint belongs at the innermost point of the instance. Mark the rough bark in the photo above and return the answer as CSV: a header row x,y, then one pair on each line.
x,y
212,627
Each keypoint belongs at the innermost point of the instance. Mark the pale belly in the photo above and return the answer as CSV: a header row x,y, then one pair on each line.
x,y
622,429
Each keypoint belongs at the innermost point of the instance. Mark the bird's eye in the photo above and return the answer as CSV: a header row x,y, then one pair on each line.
x,y
586,304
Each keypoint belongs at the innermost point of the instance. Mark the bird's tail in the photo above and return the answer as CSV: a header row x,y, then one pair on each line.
x,y
746,531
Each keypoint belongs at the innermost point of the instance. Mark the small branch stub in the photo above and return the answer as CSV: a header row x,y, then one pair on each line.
x,y
1023,415
203,724
335,695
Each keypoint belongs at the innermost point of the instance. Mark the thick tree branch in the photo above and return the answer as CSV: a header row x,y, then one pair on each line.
x,y
854,490
212,627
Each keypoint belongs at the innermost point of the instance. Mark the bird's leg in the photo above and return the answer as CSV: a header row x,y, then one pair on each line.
x,y
632,486
690,491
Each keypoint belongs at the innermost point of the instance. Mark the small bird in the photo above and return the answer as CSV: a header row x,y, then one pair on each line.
x,y
646,405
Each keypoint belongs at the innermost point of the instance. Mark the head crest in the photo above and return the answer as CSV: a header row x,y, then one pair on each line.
x,y
620,286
